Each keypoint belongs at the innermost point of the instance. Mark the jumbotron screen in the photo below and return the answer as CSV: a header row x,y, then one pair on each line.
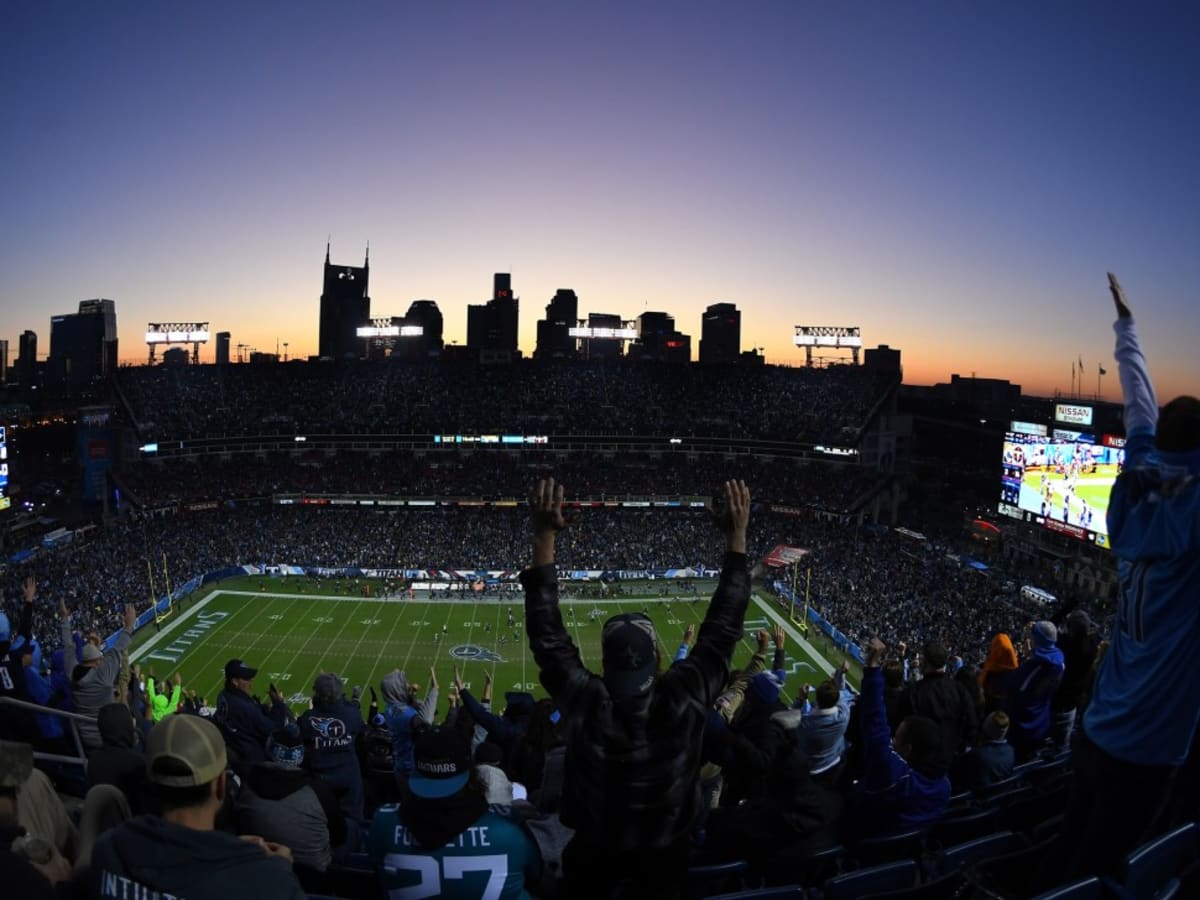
x,y
5,500
1061,479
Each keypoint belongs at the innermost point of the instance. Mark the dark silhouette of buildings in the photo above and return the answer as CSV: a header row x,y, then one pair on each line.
x,y
721,334
426,314
602,347
492,326
553,332
25,368
83,345
223,348
659,340
175,356
885,360
4,362
345,305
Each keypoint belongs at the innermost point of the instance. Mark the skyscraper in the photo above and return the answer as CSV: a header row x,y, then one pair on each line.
x,y
658,339
426,314
553,338
223,348
720,334
83,345
492,326
3,362
25,369
345,305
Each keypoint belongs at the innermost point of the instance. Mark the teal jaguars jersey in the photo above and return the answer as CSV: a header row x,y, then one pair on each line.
x,y
490,860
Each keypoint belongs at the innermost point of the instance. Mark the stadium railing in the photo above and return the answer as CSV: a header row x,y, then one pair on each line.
x,y
70,723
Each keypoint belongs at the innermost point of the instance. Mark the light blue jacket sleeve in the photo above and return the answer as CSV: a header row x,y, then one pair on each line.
x,y
1141,404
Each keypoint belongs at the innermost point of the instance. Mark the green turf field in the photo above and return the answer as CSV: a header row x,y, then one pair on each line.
x,y
290,637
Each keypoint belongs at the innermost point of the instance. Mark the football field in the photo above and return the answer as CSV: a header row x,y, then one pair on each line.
x,y
291,630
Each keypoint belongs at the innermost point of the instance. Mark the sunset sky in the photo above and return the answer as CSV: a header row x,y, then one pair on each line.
x,y
955,178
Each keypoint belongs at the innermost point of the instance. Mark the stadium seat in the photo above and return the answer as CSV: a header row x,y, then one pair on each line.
x,y
1026,813
948,887
959,803
1026,767
1007,798
979,850
1011,875
353,883
891,877
1087,889
1048,771
999,787
889,848
706,881
956,829
1043,831
1150,867
811,870
783,892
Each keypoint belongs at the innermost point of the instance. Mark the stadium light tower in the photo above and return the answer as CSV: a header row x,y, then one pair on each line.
x,y
836,336
194,333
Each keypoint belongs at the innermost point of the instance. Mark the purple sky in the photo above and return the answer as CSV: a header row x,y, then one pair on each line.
x,y
953,178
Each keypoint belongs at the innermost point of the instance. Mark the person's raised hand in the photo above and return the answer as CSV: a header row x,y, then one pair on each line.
x,y
62,608
130,617
545,508
875,650
30,589
779,636
458,682
178,678
733,518
901,648
689,633
1118,296
433,682
763,639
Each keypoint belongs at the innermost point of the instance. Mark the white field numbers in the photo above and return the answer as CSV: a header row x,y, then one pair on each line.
x,y
5,678
452,868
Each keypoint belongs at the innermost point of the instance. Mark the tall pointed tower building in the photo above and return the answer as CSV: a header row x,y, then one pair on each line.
x,y
345,305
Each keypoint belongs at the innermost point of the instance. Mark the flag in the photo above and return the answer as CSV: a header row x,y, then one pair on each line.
x,y
1103,371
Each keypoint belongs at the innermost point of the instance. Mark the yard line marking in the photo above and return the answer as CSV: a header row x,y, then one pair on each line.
x,y
241,652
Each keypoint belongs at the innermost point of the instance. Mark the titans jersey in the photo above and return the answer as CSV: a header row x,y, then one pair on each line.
x,y
490,860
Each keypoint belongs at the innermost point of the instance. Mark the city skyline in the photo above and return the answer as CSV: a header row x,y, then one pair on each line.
x,y
953,180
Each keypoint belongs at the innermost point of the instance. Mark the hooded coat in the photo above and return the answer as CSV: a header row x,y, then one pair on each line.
x,y
1029,695
1001,658
119,760
148,854
402,709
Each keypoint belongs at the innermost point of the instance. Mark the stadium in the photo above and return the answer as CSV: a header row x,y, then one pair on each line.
x,y
278,524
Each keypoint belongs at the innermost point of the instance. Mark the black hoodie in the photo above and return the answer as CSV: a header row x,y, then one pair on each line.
x,y
149,857
119,760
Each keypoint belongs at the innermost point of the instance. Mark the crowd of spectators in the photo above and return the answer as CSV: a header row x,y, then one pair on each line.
x,y
526,794
539,398
872,583
863,581
488,474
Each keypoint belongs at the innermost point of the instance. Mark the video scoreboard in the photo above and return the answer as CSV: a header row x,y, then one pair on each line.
x,y
5,499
